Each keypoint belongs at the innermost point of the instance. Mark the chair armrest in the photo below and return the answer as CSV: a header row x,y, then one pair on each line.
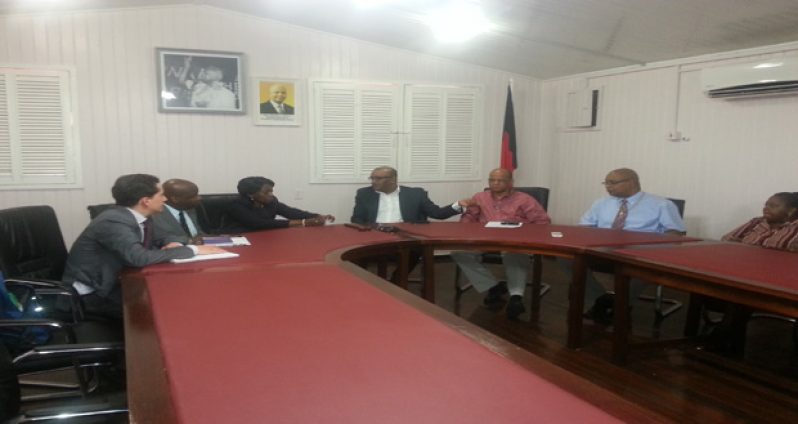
x,y
42,286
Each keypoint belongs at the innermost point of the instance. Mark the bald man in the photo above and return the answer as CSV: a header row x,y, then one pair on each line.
x,y
501,203
178,222
626,208
276,103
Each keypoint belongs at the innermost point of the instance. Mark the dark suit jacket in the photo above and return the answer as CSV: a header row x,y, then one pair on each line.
x,y
166,228
414,204
110,242
268,107
242,215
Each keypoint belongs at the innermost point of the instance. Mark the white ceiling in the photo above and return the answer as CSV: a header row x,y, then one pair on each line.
x,y
538,38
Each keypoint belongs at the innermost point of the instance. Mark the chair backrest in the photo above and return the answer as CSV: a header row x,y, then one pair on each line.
x,y
679,205
211,211
541,194
31,244
95,210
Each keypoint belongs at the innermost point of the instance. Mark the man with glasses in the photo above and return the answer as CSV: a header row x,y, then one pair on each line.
x,y
386,202
626,208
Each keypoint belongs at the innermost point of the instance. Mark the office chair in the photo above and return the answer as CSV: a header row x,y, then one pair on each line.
x,y
659,301
541,194
14,408
32,260
212,210
95,210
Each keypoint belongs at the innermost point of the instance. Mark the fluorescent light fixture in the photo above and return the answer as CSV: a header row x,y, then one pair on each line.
x,y
457,21
372,3
767,80
769,65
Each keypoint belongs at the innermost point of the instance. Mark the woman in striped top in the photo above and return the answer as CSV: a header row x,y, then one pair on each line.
x,y
777,228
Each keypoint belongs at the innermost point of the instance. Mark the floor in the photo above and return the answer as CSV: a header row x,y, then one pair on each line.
x,y
684,381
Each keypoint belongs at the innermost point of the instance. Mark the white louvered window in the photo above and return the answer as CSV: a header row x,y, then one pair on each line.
x,y
36,130
429,133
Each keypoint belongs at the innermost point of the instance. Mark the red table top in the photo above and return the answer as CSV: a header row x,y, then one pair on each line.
x,y
316,344
573,237
729,261
288,245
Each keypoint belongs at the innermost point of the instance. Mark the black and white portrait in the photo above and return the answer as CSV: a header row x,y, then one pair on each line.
x,y
200,81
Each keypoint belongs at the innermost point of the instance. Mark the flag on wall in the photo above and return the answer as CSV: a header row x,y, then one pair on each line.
x,y
508,155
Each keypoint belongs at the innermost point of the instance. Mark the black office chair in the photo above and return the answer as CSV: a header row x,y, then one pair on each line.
x,y
32,259
95,210
541,194
212,210
14,408
659,300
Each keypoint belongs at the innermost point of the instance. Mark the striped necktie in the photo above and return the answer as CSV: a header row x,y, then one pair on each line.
x,y
620,218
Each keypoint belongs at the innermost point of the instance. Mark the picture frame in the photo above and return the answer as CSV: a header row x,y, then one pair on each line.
x,y
272,94
201,81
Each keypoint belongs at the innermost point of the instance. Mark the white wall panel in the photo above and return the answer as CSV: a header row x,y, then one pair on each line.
x,y
739,153
122,132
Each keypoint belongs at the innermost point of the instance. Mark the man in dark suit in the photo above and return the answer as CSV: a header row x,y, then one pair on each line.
x,y
121,236
178,222
386,202
276,103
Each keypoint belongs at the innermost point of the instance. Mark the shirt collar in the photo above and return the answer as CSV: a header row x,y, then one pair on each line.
x,y
633,198
398,188
139,217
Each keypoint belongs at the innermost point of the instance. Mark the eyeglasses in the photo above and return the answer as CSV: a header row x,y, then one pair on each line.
x,y
373,178
612,183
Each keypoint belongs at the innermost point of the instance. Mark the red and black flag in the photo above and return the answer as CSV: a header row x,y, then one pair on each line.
x,y
508,155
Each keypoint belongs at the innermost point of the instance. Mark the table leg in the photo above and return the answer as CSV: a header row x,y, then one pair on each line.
x,y
620,335
429,273
402,268
576,295
537,270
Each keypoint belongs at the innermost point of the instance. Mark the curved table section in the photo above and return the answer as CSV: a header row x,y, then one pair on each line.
x,y
289,332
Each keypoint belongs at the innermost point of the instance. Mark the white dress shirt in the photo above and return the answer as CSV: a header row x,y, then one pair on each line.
x,y
388,210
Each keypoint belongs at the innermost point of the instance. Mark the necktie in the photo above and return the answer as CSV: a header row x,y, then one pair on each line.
x,y
184,224
147,239
280,108
620,218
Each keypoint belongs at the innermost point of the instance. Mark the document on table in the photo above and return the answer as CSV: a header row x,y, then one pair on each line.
x,y
226,241
197,258
503,224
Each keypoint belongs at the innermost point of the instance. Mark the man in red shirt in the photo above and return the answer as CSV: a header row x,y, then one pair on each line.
x,y
501,203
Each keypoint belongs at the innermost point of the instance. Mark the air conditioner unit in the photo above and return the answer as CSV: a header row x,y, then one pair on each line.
x,y
773,76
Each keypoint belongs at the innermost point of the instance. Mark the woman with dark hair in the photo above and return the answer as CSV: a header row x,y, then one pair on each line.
x,y
777,228
257,209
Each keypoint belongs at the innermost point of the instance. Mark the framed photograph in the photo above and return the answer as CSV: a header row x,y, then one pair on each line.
x,y
200,81
277,101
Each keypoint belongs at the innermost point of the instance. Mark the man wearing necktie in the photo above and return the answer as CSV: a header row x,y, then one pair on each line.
x,y
178,222
119,237
627,208
278,93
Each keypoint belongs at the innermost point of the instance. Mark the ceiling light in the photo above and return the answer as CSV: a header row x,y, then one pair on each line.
x,y
768,65
457,22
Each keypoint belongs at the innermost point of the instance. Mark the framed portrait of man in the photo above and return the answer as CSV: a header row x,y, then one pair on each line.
x,y
277,101
200,81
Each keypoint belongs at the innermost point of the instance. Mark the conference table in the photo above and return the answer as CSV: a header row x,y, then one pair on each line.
x,y
569,242
291,331
763,279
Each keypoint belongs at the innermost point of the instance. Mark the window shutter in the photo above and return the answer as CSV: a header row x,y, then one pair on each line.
x,y
443,128
41,124
36,142
5,131
355,129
